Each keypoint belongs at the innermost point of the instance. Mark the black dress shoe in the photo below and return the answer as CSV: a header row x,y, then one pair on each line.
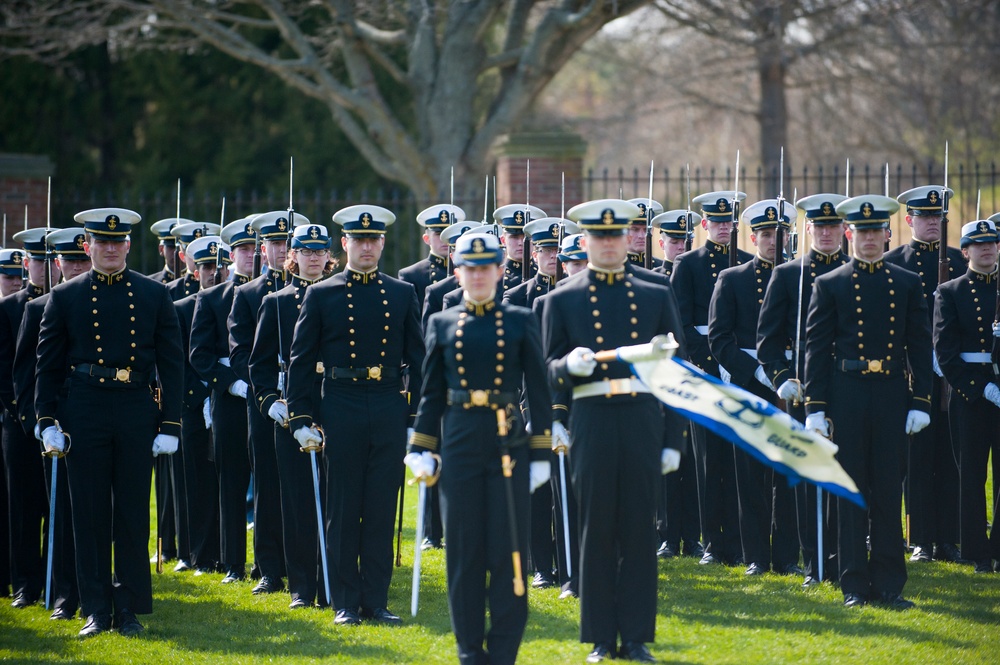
x,y
755,569
181,566
984,566
347,618
298,603
542,580
667,550
268,584
947,552
568,591
381,615
234,574
921,553
708,558
23,599
96,624
696,550
127,624
64,613
895,601
789,569
636,651
431,544
853,600
809,581
602,651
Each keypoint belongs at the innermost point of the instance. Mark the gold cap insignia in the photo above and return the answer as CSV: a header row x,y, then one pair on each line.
x,y
111,221
79,241
282,224
366,220
314,232
933,197
608,216
554,230
867,209
478,246
827,208
771,213
723,205
16,257
199,233
213,248
519,217
443,216
249,230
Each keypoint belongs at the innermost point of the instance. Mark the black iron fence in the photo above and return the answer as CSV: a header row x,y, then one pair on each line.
x,y
670,187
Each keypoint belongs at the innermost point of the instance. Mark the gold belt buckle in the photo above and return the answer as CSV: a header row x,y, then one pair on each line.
x,y
375,373
122,375
619,386
479,397
875,366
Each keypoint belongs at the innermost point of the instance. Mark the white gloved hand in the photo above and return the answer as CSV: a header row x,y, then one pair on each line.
x,y
278,412
937,367
165,444
916,421
724,375
817,423
420,464
38,433
581,362
206,411
307,437
53,439
670,460
560,436
238,388
992,393
539,474
790,390
761,376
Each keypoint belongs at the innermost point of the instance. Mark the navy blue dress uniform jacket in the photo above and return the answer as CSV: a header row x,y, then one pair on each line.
x,y
425,272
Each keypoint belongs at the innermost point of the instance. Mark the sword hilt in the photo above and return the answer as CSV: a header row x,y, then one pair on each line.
x,y
319,446
428,479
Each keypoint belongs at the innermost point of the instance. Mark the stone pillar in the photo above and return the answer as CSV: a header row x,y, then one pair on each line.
x,y
551,155
23,182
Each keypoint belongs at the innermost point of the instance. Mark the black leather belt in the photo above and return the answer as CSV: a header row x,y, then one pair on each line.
x,y
119,375
362,373
870,366
481,398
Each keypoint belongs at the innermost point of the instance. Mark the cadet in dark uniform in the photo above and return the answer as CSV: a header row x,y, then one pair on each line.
x,y
197,456
364,327
782,322
273,229
478,358
544,236
135,337
186,232
308,262
693,281
11,280
11,271
512,219
422,274
167,248
931,486
872,316
637,233
673,227
434,268
616,429
210,359
964,340
767,504
26,498
435,293
678,516
72,260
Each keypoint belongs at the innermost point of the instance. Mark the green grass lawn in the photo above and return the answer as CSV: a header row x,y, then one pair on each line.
x,y
706,614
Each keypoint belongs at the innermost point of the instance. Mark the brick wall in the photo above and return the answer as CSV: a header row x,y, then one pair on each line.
x,y
551,154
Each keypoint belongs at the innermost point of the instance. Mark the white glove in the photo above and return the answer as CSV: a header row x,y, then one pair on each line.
x,y
420,464
937,367
992,393
53,439
724,375
790,390
581,362
307,437
409,434
817,423
38,434
206,411
670,460
916,421
539,473
238,388
278,412
761,376
560,436
165,444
